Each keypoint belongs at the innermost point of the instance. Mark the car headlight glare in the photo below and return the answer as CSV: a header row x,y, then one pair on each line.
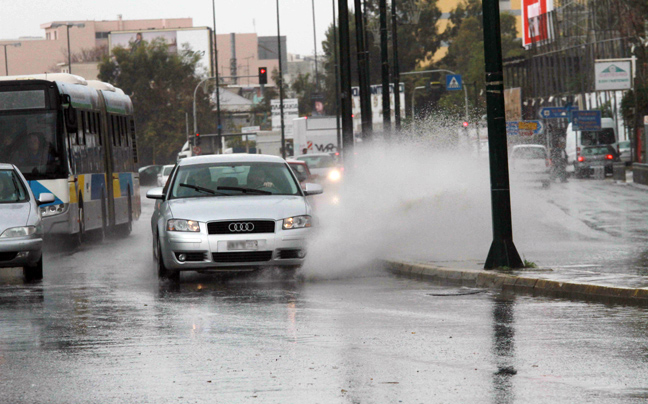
x,y
297,222
22,231
51,210
334,175
183,225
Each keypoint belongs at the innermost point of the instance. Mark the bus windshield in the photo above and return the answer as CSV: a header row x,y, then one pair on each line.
x,y
28,140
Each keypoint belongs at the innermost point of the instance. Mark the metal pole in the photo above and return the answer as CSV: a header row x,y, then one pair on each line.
x,y
384,57
6,63
397,115
502,251
219,126
337,81
345,85
281,91
69,51
365,94
317,83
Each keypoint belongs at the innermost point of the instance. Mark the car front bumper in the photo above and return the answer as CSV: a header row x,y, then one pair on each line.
x,y
20,252
202,251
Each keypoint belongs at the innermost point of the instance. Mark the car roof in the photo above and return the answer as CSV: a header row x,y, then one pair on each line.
x,y
231,158
293,161
520,146
6,166
313,155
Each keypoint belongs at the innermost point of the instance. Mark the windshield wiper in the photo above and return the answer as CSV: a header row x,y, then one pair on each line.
x,y
202,189
245,190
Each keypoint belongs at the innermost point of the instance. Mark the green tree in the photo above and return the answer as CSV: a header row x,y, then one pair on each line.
x,y
465,35
417,43
304,88
161,85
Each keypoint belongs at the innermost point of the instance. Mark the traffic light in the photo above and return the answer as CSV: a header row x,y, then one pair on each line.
x,y
263,75
465,124
197,140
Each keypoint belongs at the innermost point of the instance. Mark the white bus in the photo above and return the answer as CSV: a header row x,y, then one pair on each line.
x,y
75,139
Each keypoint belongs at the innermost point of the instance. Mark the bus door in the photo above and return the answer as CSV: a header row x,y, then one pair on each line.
x,y
107,140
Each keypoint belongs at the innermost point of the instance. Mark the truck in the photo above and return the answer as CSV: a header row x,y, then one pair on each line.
x,y
315,135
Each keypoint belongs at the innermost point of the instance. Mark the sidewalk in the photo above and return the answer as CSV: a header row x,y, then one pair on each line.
x,y
565,283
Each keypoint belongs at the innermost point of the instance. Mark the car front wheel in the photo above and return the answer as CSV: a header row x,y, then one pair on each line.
x,y
34,272
162,271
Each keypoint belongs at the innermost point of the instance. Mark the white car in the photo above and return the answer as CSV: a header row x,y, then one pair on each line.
x,y
322,166
230,212
163,176
530,163
21,232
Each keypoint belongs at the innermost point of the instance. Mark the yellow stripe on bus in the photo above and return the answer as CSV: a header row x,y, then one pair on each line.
x,y
73,193
116,187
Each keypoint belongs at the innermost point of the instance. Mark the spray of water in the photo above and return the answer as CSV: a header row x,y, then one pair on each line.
x,y
423,195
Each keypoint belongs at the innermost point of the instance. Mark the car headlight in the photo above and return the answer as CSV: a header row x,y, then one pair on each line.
x,y
297,222
183,225
51,210
18,232
334,175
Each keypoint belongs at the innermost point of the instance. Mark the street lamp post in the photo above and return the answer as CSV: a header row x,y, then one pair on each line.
x,y
219,128
384,57
15,44
281,91
67,26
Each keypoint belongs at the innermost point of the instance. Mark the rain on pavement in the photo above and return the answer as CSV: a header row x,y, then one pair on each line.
x,y
101,328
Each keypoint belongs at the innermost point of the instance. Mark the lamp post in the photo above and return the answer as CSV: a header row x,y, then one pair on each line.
x,y
15,44
281,91
384,57
67,26
219,129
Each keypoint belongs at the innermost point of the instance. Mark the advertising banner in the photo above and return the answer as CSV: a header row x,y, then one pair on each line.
x,y
536,24
291,111
376,102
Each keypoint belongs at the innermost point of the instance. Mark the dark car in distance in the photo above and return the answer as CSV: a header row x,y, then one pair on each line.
x,y
596,156
148,174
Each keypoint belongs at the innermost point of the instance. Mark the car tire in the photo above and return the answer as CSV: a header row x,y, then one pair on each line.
x,y
34,272
162,271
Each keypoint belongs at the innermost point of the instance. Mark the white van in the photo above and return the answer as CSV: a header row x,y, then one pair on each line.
x,y
575,140
185,152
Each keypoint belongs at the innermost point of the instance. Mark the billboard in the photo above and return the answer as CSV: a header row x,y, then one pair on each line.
x,y
613,74
376,102
536,23
290,112
196,39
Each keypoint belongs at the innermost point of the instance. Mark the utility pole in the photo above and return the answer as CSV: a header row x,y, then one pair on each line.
x,y
219,126
502,251
281,91
345,85
396,68
365,95
317,83
384,57
337,80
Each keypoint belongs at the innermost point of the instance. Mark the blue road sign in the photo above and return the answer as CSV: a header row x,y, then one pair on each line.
x,y
524,128
512,128
586,120
453,82
555,112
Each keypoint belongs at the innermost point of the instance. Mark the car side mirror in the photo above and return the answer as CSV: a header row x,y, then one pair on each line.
x,y
155,193
44,198
312,189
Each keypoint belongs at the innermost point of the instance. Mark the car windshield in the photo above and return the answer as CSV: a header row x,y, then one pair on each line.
x,y
529,153
167,170
300,171
593,151
624,145
28,141
249,178
12,189
323,161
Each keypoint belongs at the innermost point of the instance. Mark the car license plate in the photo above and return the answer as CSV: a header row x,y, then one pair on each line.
x,y
243,245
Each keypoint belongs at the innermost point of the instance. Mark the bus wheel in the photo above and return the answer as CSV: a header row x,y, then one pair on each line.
x,y
162,271
125,229
34,272
77,238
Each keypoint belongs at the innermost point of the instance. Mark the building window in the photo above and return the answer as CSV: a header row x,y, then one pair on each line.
x,y
101,35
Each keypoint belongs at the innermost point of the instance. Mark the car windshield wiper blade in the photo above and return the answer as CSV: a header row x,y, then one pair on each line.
x,y
197,188
245,190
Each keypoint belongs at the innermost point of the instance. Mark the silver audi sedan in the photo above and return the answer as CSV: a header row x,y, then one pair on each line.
x,y
233,212
21,233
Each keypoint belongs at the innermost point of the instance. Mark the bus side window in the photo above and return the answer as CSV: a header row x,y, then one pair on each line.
x,y
80,119
99,131
133,140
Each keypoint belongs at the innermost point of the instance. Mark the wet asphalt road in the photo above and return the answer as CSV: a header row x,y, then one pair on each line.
x,y
101,328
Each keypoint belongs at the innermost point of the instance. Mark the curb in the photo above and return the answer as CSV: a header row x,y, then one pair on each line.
x,y
519,283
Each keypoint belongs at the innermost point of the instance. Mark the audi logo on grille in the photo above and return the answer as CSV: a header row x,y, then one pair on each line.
x,y
241,227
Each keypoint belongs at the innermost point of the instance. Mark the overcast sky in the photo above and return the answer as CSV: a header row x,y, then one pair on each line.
x,y
23,17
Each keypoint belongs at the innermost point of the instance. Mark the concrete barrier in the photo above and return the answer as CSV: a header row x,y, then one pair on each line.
x,y
640,173
619,172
